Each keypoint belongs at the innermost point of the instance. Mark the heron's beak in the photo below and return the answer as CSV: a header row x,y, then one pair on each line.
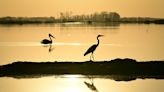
x,y
101,35
53,36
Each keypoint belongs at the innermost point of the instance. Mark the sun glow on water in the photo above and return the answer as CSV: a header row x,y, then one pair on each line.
x,y
55,44
74,84
72,78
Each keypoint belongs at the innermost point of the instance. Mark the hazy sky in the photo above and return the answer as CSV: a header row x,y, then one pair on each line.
x,y
143,8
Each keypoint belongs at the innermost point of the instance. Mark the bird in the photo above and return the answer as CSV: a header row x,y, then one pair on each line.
x,y
46,41
93,48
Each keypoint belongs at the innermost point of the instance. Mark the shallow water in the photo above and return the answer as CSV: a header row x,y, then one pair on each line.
x,y
75,83
137,41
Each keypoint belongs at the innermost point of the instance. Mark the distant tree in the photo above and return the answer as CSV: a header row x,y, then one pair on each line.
x,y
113,17
66,16
105,17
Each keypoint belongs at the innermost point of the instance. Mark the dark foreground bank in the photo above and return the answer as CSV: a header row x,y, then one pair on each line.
x,y
122,67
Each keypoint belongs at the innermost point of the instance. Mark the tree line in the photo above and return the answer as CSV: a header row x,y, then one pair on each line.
x,y
88,18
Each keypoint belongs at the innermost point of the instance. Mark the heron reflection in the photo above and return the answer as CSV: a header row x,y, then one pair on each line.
x,y
91,85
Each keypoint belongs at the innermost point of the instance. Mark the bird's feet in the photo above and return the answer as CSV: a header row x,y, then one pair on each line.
x,y
91,61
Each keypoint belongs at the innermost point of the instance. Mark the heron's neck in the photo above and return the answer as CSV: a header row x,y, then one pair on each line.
x,y
50,38
97,41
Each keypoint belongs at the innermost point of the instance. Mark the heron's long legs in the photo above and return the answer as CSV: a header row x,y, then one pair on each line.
x,y
91,57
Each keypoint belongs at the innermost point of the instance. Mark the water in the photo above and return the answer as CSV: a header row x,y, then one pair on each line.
x,y
75,83
22,43
138,41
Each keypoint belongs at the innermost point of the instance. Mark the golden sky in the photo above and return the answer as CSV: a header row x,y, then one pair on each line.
x,y
126,8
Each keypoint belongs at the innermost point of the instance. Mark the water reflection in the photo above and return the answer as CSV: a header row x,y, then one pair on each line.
x,y
51,47
75,83
91,78
93,24
80,83
91,84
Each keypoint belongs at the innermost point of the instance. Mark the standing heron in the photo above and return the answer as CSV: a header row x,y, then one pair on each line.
x,y
46,41
93,48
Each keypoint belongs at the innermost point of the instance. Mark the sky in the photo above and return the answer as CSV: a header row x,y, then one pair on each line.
x,y
126,8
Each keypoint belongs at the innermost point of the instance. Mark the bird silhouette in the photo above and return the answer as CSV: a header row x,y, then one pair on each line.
x,y
91,86
93,48
50,48
46,41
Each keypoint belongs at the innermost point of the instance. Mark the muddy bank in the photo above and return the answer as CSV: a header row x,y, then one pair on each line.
x,y
121,67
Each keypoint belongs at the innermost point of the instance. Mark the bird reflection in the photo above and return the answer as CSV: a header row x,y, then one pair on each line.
x,y
51,48
93,48
91,85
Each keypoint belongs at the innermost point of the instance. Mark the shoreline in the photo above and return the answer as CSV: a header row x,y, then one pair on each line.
x,y
118,67
8,20
83,22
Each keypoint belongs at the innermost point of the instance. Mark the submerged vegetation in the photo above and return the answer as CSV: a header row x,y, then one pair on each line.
x,y
104,17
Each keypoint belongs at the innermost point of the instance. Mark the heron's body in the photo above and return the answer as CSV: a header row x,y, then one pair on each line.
x,y
46,41
93,48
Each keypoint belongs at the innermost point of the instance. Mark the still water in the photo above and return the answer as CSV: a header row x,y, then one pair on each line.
x,y
78,83
22,43
137,41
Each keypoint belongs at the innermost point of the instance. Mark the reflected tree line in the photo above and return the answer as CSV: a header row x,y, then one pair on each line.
x,y
87,18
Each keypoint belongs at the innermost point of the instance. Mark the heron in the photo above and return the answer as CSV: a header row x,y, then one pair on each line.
x,y
93,48
46,41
